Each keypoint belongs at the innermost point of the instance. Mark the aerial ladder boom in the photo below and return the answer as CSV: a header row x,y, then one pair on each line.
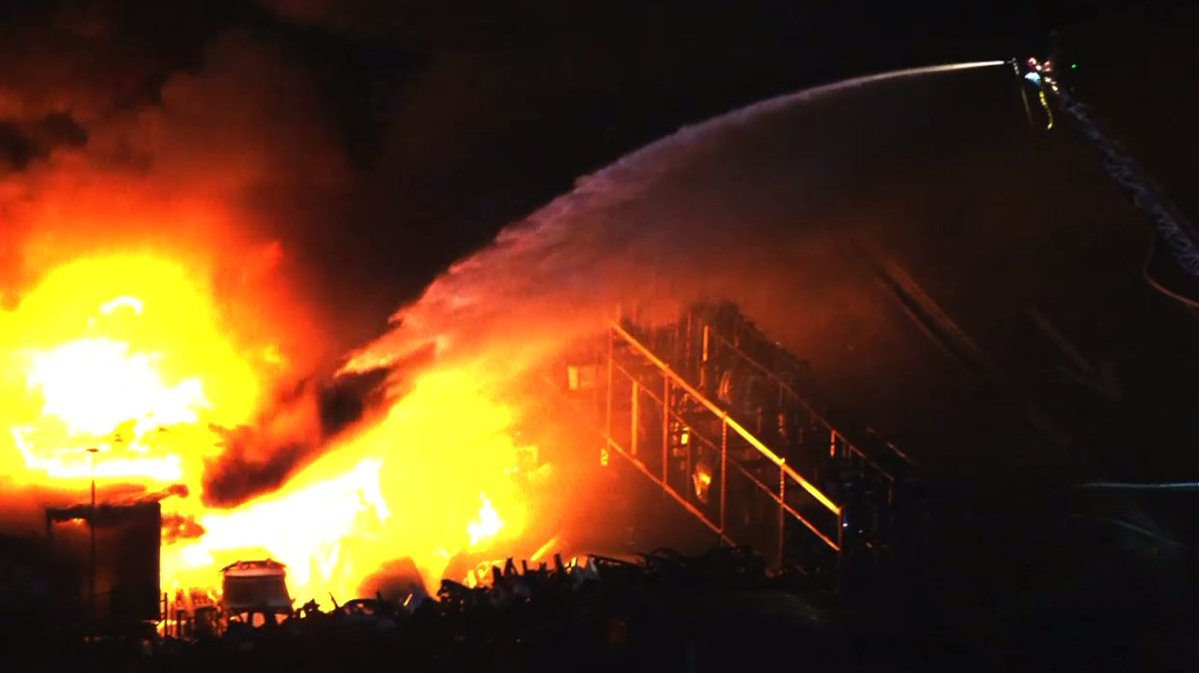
x,y
1172,226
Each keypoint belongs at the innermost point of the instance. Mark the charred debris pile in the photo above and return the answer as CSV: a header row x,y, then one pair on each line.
x,y
664,611
721,610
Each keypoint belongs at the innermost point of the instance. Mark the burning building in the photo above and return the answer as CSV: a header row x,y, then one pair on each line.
x,y
123,371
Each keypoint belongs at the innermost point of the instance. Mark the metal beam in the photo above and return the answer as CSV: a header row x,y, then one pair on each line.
x,y
692,509
732,423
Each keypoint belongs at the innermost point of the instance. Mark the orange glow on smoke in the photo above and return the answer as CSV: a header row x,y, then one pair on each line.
x,y
133,355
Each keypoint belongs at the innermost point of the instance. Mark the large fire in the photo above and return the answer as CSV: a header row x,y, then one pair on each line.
x,y
127,370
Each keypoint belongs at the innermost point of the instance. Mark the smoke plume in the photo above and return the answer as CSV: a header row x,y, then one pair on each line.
x,y
769,207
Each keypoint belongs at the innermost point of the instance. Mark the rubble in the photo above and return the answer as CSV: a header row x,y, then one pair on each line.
x,y
660,611
588,613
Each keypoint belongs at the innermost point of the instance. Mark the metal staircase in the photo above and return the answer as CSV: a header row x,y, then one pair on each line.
x,y
711,411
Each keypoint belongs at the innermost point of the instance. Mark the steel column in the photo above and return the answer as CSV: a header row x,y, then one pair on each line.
x,y
733,424
666,429
608,391
724,469
633,424
782,515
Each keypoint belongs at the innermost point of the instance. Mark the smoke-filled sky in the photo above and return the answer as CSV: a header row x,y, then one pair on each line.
x,y
361,146
353,150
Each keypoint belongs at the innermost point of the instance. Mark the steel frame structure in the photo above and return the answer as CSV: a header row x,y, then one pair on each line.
x,y
705,454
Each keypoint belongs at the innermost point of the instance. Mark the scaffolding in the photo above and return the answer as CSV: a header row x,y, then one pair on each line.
x,y
711,411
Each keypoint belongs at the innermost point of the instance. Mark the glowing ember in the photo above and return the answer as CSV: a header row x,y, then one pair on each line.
x,y
131,355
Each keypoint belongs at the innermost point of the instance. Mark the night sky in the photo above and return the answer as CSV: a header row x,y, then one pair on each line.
x,y
427,126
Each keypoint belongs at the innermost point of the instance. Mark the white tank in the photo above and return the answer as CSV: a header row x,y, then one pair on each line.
x,y
255,586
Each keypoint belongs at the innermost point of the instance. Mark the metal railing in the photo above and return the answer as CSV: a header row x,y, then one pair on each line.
x,y
841,441
674,434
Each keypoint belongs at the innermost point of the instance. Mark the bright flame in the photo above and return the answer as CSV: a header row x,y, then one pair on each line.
x,y
132,303
123,354
408,486
486,525
129,355
90,382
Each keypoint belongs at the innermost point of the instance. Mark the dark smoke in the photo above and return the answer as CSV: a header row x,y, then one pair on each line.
x,y
176,527
757,205
113,141
22,144
246,468
348,153
786,208
371,143
349,398
259,459
299,427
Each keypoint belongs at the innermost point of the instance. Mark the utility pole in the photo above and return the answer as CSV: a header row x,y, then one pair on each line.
x,y
91,594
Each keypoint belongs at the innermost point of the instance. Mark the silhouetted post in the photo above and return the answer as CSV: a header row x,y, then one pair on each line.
x,y
91,594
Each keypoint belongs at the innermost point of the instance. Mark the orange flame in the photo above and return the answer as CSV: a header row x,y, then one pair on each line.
x,y
138,377
409,486
131,355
